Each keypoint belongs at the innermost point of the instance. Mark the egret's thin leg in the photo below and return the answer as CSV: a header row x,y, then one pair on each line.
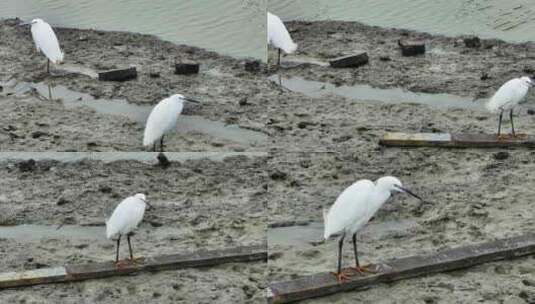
x,y
512,124
117,253
500,123
48,66
161,143
340,244
129,246
355,251
279,61
154,147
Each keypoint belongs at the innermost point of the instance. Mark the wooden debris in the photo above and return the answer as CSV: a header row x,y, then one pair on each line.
x,y
411,47
118,75
350,61
396,139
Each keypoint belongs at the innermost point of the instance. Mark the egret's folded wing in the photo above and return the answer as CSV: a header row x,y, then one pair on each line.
x,y
47,42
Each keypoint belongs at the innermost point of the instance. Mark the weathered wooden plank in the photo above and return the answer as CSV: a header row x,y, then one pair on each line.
x,y
118,75
350,61
79,272
397,139
322,284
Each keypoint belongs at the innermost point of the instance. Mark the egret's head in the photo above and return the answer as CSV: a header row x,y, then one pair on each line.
x,y
36,20
142,197
183,98
527,80
394,185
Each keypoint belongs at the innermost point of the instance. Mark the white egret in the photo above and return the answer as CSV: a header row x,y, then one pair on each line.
x,y
46,42
354,208
124,219
278,36
507,97
163,119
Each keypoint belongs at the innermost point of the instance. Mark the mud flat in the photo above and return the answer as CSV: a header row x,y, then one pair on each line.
x,y
229,94
199,204
320,108
471,197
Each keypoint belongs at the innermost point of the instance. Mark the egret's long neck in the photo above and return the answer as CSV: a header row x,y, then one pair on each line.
x,y
381,195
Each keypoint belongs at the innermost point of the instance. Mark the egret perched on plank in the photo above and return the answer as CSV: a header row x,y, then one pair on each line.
x,y
163,119
46,42
125,219
278,36
354,208
507,97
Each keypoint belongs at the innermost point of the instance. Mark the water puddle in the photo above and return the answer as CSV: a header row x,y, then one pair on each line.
x,y
137,113
108,157
313,232
366,93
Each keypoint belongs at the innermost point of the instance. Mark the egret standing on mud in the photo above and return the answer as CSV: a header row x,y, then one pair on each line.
x,y
278,36
507,97
163,119
354,208
46,42
124,219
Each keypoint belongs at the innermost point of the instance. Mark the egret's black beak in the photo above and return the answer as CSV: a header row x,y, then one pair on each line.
x,y
148,204
403,189
191,100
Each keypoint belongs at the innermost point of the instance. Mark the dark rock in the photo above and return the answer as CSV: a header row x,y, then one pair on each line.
x,y
26,165
155,224
350,61
186,68
531,111
278,175
118,75
385,58
105,189
484,76
411,47
304,124
163,161
501,155
62,201
472,42
154,74
38,134
252,66
243,101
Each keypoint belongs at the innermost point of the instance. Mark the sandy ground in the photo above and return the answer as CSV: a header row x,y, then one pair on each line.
x,y
199,204
229,93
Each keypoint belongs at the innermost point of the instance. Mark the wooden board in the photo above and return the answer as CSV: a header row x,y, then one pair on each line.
x,y
71,273
396,139
322,284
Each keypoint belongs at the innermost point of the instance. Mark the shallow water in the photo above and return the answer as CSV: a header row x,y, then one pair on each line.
x,y
138,113
366,93
234,27
148,157
512,20
313,232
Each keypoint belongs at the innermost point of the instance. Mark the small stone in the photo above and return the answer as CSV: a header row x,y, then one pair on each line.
x,y
186,67
350,61
278,175
472,42
38,134
252,66
484,76
105,189
501,155
62,201
163,161
385,58
531,111
411,47
26,165
154,74
243,101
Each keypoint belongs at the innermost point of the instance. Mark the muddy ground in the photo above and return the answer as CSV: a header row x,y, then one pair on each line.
x,y
228,92
473,196
199,204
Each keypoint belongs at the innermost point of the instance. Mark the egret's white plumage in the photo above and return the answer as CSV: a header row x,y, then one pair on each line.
x,y
126,216
509,94
163,119
278,35
507,97
46,41
353,209
356,205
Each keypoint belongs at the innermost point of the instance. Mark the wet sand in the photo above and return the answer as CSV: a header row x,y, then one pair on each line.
x,y
199,204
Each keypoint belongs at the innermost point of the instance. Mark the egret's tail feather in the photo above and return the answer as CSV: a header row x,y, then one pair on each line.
x,y
326,233
290,48
492,106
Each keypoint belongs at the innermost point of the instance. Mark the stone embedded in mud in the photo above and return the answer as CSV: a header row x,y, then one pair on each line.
x,y
411,47
472,42
278,175
186,68
252,65
26,165
531,111
350,61
163,161
118,75
501,155
38,134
